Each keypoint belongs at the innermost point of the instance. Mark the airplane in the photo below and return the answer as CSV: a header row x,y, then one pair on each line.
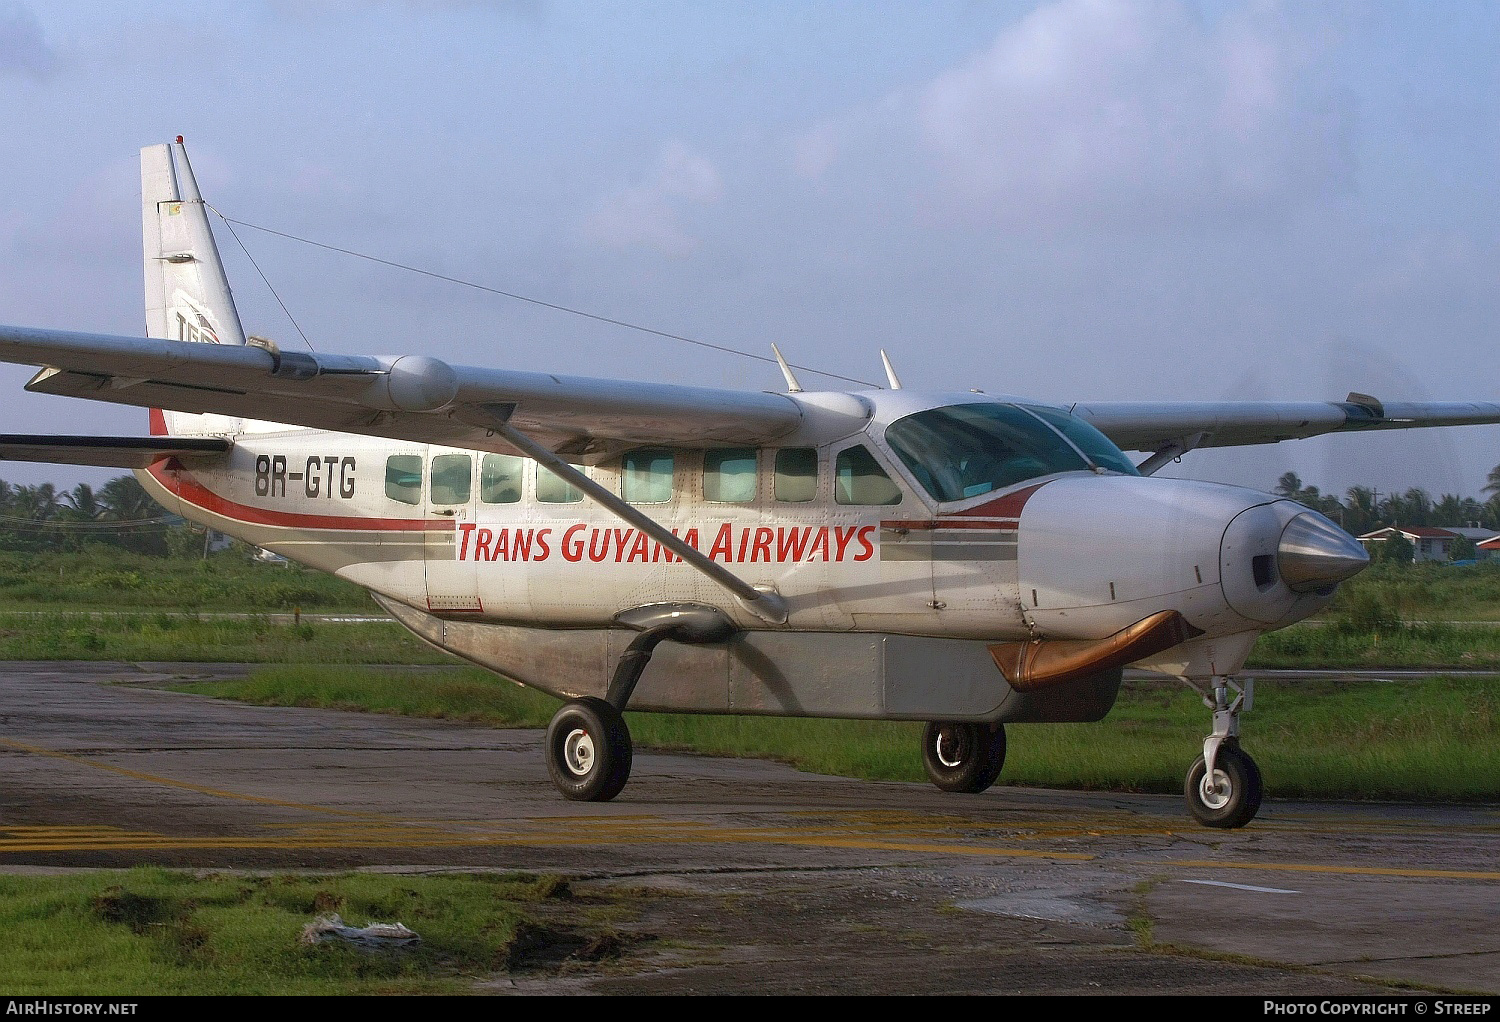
x,y
966,560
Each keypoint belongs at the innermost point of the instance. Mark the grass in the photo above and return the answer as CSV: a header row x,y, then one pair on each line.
x,y
187,637
104,578
1395,644
260,638
1433,739
149,931
1426,592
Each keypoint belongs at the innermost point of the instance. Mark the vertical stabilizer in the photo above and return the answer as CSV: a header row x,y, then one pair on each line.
x,y
187,294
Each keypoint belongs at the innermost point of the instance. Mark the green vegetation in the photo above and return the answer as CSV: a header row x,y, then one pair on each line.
x,y
1364,510
69,607
150,931
119,515
1422,592
1399,615
108,579
1470,647
1432,739
187,637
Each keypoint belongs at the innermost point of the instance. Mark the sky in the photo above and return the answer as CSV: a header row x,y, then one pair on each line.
x,y
1071,200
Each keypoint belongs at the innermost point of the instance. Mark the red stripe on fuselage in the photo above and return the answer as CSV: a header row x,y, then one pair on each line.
x,y
933,524
1008,506
1003,514
171,475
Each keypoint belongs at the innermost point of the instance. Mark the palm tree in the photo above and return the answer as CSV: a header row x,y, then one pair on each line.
x,y
122,499
1493,486
38,503
1449,510
82,502
1360,515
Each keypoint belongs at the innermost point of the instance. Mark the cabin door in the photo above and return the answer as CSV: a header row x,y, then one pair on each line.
x,y
451,565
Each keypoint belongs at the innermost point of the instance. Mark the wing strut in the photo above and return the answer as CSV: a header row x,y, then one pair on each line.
x,y
763,603
1168,451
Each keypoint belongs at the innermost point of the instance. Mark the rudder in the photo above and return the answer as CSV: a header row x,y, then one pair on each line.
x,y
187,293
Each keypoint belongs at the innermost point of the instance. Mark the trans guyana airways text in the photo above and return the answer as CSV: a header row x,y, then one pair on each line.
x,y
730,544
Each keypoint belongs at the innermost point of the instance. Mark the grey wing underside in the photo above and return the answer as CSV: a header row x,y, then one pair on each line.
x,y
1141,426
422,399
414,398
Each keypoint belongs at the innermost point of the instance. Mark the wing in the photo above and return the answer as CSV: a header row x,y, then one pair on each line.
x,y
1139,426
410,397
107,451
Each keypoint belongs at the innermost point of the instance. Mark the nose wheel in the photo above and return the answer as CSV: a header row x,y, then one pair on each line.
x,y
962,756
1230,796
589,751
1223,787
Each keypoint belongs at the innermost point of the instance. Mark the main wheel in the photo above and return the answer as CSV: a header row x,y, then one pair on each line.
x,y
962,756
1230,798
588,750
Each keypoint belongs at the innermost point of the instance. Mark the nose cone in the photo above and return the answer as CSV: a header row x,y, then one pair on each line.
x,y
1315,554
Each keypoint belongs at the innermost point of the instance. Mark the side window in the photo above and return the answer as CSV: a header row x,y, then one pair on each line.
x,y
403,478
500,479
451,475
796,474
550,489
729,476
646,477
859,479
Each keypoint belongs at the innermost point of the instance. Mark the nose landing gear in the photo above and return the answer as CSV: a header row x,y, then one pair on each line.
x,y
1223,786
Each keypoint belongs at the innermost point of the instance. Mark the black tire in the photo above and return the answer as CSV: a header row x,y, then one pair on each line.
x,y
588,751
1236,799
963,757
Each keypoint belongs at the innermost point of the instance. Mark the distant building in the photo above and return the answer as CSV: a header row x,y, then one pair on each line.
x,y
1488,549
1429,543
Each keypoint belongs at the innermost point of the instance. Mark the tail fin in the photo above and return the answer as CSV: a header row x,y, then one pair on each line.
x,y
187,294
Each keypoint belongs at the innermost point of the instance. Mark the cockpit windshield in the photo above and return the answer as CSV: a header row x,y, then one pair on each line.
x,y
966,450
1095,446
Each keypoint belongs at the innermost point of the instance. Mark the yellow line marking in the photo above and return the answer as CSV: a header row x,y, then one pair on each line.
x,y
1302,867
43,839
165,843
170,782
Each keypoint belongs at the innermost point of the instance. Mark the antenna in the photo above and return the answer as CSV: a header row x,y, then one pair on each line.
x,y
792,386
890,371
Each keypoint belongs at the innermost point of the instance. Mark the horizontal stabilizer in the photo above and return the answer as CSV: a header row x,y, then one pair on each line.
x,y
107,451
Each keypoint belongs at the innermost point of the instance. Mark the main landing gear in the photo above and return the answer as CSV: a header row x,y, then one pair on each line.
x,y
588,747
1223,786
589,751
962,756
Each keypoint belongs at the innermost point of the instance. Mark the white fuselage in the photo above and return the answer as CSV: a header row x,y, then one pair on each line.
x,y
466,535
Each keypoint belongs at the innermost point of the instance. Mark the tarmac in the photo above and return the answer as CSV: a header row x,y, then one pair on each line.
x,y
742,876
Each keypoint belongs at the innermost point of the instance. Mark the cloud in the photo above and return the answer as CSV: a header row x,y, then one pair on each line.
x,y
1133,109
23,47
649,213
